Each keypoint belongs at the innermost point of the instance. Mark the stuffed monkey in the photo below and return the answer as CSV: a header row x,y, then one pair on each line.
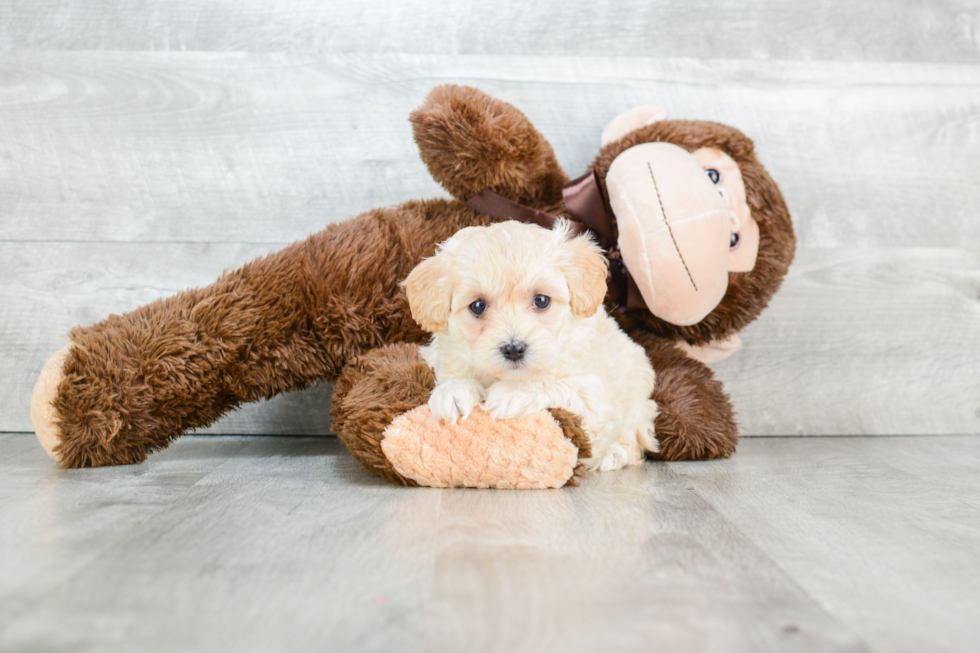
x,y
697,232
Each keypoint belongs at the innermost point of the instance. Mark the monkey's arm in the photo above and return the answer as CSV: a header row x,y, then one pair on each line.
x,y
129,385
471,141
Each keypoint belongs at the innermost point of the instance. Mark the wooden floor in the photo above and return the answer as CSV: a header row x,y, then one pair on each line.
x,y
285,544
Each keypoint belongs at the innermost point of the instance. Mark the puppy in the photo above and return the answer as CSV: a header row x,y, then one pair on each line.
x,y
519,326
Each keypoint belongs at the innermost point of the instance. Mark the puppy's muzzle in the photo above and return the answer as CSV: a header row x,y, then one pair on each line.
x,y
514,350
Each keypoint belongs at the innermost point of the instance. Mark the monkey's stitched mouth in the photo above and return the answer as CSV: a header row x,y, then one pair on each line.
x,y
663,212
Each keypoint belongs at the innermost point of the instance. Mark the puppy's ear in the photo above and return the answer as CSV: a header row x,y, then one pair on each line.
x,y
585,268
429,294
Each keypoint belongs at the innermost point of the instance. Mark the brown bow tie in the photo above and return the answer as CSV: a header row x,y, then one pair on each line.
x,y
588,206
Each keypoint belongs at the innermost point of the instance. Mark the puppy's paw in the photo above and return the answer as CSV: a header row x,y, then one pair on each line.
x,y
513,400
455,399
617,457
644,426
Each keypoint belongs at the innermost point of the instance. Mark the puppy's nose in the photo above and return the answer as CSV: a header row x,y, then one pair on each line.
x,y
514,350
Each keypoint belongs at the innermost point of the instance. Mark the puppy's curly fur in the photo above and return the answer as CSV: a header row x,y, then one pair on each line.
x,y
519,327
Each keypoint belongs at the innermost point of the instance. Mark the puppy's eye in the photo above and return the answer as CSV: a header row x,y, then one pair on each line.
x,y
478,307
713,175
541,301
734,240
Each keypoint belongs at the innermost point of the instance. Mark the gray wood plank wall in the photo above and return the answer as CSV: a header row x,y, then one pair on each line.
x,y
147,146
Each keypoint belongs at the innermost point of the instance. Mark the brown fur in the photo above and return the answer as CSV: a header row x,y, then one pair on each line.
x,y
571,426
695,419
471,141
135,382
373,390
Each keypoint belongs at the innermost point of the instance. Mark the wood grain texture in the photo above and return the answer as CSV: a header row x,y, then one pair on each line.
x,y
957,459
260,540
288,545
257,544
620,564
197,147
876,544
49,535
905,30
864,341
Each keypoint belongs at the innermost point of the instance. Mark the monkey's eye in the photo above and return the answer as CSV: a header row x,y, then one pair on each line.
x,y
713,175
541,301
734,240
478,307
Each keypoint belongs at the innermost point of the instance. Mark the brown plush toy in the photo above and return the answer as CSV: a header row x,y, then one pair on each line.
x,y
698,236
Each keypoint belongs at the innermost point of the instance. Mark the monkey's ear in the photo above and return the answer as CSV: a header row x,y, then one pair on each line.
x,y
429,294
585,269
632,119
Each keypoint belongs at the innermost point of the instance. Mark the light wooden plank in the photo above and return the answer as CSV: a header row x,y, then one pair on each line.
x,y
792,545
56,522
878,342
864,342
949,463
629,561
289,544
893,556
942,30
199,147
219,148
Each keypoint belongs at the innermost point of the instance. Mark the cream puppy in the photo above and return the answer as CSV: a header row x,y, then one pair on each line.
x,y
519,326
